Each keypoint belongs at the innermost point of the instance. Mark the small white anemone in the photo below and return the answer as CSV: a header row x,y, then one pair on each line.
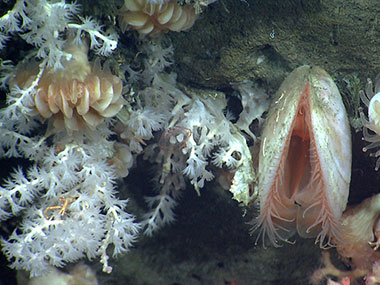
x,y
371,98
374,112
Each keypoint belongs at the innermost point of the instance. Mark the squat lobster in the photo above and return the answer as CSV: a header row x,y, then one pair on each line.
x,y
65,202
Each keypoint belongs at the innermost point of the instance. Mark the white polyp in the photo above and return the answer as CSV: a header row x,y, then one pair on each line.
x,y
374,112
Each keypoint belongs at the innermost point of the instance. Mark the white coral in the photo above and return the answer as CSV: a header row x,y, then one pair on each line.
x,y
79,174
197,133
67,198
255,102
42,23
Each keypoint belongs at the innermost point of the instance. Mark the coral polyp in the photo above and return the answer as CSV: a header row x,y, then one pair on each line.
x,y
81,94
371,126
153,19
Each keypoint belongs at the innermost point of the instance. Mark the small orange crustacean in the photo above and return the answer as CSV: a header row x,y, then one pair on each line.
x,y
65,203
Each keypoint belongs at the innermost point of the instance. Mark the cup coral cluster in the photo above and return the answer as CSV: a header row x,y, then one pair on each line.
x,y
81,94
153,19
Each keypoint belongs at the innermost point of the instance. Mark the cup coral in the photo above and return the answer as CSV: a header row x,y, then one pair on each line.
x,y
361,236
153,19
358,246
81,94
371,98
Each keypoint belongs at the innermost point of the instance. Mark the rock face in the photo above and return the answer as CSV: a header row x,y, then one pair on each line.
x,y
265,39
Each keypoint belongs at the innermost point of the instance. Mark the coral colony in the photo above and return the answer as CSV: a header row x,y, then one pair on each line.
x,y
81,127
69,118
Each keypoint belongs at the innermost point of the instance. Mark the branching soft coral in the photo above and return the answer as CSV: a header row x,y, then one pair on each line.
x,y
43,23
74,211
59,117
196,134
69,119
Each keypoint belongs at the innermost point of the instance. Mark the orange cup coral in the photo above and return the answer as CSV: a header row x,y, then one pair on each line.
x,y
153,19
358,246
361,237
78,95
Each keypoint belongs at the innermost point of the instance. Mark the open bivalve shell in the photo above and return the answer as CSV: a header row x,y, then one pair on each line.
x,y
305,160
